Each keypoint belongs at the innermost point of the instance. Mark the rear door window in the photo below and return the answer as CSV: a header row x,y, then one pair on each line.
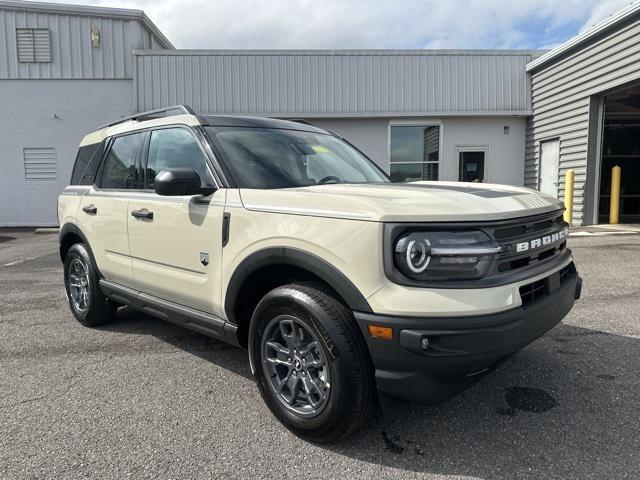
x,y
120,169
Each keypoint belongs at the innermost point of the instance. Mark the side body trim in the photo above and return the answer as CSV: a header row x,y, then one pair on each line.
x,y
187,317
295,258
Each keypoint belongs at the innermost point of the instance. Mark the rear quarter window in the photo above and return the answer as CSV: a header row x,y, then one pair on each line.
x,y
87,163
120,170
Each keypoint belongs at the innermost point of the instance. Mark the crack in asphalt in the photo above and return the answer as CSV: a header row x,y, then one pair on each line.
x,y
57,395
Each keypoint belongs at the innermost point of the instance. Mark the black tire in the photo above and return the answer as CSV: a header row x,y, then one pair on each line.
x,y
350,399
95,309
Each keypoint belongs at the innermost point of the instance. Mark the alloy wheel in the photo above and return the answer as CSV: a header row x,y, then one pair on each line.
x,y
295,366
78,279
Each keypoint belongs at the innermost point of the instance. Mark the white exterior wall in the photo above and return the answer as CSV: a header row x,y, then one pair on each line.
x,y
28,120
504,160
82,105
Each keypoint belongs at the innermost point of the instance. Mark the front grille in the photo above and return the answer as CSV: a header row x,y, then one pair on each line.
x,y
510,236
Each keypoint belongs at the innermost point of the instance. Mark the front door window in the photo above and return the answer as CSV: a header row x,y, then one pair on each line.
x,y
174,148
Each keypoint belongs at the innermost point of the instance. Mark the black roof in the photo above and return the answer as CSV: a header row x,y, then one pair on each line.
x,y
257,122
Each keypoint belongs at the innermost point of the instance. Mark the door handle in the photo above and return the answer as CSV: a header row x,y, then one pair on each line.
x,y
144,213
90,209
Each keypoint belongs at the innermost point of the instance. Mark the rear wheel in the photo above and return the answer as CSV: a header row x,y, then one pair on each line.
x,y
312,366
86,300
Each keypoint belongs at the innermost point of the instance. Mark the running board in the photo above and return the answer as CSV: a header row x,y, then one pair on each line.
x,y
197,320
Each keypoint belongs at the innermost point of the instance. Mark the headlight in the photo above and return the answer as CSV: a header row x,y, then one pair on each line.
x,y
441,255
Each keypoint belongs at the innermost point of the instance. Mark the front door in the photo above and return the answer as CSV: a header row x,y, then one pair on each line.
x,y
176,242
471,167
549,164
104,210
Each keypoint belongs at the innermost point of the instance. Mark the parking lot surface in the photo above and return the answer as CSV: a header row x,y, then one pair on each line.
x,y
140,398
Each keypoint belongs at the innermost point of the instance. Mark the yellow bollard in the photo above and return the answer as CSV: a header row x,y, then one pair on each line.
x,y
568,196
614,206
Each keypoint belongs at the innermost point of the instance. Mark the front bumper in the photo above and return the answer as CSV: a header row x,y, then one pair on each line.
x,y
460,350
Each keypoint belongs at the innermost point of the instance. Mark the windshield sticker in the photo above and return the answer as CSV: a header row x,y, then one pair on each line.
x,y
320,149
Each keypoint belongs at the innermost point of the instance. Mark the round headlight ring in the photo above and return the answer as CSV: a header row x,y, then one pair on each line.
x,y
418,248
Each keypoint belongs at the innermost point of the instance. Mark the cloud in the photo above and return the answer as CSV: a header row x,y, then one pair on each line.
x,y
350,24
603,10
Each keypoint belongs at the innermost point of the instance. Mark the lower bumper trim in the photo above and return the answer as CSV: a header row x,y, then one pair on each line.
x,y
459,350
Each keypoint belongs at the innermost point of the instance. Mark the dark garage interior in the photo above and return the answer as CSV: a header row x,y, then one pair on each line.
x,y
621,147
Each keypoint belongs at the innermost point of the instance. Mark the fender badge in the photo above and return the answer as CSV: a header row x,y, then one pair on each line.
x,y
204,258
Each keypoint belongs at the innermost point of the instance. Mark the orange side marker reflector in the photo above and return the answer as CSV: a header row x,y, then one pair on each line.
x,y
376,331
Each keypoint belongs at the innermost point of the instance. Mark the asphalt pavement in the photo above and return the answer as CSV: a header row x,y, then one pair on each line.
x,y
141,398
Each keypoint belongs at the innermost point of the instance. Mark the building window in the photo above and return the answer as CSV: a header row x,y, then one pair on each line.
x,y
40,164
414,153
34,45
471,165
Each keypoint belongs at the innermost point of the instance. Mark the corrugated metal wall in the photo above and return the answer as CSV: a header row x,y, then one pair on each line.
x,y
561,93
71,50
335,83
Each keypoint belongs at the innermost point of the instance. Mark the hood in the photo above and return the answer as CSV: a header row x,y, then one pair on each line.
x,y
404,202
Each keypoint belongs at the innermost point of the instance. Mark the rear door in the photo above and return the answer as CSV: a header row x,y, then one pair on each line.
x,y
103,211
176,242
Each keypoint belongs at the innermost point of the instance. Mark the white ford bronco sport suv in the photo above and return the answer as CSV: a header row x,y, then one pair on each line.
x,y
283,238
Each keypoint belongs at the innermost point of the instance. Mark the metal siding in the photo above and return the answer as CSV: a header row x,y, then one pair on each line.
x,y
72,55
335,83
561,92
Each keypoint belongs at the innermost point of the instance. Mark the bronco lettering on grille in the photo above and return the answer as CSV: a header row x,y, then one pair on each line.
x,y
541,242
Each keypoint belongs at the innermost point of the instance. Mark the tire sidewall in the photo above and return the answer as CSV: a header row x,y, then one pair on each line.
x,y
79,251
288,301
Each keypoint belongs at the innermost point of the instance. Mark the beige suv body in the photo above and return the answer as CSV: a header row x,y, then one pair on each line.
x,y
206,255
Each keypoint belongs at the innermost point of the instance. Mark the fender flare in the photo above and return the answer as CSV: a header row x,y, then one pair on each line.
x,y
295,258
72,229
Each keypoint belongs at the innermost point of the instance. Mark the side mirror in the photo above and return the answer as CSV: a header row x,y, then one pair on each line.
x,y
179,181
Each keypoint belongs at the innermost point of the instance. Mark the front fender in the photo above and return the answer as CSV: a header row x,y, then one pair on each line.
x,y
297,258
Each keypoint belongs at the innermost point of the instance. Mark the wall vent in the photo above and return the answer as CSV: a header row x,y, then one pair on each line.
x,y
40,164
34,45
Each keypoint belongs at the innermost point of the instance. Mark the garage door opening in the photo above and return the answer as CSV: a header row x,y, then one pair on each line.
x,y
621,147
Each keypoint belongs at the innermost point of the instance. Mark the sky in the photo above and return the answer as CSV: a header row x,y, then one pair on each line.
x,y
361,24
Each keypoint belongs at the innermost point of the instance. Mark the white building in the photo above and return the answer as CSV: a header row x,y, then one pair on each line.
x,y
420,114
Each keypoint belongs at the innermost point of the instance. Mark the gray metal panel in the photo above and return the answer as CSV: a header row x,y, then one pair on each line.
x,y
561,92
72,55
336,83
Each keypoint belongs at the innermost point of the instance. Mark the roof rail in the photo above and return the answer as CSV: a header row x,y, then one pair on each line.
x,y
151,114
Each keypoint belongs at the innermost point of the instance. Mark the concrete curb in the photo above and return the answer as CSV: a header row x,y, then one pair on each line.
x,y
604,230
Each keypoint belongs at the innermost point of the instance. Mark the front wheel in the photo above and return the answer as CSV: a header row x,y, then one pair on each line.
x,y
312,366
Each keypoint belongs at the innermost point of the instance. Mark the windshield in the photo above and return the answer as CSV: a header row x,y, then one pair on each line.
x,y
276,158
